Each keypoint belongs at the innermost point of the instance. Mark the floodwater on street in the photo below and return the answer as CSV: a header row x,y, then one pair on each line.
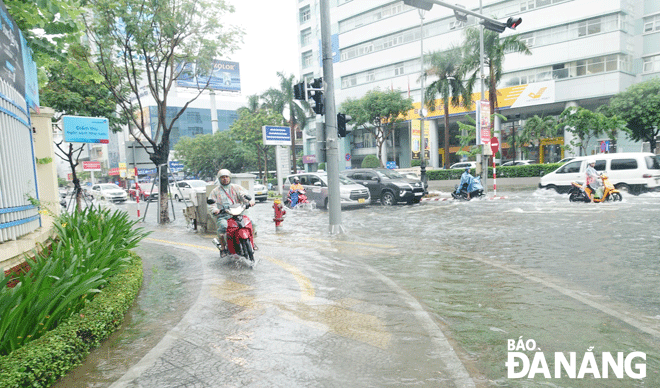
x,y
571,278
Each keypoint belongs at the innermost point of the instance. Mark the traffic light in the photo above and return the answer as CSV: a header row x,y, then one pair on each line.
x,y
316,93
342,119
493,26
513,23
300,91
425,5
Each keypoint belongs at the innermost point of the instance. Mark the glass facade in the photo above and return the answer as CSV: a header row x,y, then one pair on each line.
x,y
194,121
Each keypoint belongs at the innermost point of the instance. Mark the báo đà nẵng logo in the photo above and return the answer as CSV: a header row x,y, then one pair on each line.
x,y
573,365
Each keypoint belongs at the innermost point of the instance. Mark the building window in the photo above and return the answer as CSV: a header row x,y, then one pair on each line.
x,y
305,14
652,24
399,69
307,59
527,5
305,37
651,64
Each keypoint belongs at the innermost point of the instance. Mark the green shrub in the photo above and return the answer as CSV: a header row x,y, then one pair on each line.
x,y
322,166
532,170
370,161
90,247
415,163
41,362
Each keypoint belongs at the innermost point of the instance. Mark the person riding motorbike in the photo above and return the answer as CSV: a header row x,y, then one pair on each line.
x,y
225,195
296,188
466,178
593,179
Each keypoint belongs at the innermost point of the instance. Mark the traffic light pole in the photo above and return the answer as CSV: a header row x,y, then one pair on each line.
x,y
332,150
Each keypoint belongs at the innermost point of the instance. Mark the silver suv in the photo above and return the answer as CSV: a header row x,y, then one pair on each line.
x,y
316,186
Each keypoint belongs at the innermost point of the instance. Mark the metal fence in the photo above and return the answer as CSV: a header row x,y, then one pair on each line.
x,y
18,179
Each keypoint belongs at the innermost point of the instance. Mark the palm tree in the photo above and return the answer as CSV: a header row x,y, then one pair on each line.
x,y
283,98
494,50
537,128
253,107
449,86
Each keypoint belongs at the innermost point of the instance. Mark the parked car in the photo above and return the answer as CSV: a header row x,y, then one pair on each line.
x,y
109,192
388,186
260,192
634,172
351,194
518,163
183,189
462,165
145,191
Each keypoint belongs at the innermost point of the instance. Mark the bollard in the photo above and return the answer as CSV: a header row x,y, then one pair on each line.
x,y
279,213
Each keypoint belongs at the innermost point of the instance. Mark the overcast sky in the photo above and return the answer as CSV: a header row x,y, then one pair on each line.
x,y
269,45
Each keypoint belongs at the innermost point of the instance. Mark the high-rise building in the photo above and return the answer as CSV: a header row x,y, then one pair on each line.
x,y
583,53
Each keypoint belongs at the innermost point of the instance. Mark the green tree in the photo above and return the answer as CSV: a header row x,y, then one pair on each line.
x,y
281,100
639,107
67,92
449,86
247,129
585,125
495,47
378,112
145,46
537,128
204,155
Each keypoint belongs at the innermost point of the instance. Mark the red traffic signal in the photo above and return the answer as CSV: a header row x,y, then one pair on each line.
x,y
513,23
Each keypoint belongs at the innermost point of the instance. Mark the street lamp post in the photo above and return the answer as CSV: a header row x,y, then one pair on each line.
x,y
422,161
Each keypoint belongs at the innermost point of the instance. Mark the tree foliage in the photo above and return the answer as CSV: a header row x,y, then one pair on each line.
x,y
142,47
537,128
449,86
204,155
639,107
248,129
279,100
586,125
495,48
378,112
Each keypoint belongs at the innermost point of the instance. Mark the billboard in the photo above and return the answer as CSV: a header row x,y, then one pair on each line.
x,y
225,76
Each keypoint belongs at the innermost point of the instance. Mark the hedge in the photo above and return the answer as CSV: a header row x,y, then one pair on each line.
x,y
532,170
41,362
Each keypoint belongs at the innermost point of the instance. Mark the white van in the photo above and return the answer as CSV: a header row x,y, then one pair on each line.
x,y
634,172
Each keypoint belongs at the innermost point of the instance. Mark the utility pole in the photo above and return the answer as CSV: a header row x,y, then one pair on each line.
x,y
332,149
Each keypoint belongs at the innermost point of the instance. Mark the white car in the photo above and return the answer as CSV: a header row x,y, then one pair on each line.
x,y
109,192
183,189
260,192
462,165
518,163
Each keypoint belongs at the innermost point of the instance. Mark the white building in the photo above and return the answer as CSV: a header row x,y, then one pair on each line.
x,y
583,52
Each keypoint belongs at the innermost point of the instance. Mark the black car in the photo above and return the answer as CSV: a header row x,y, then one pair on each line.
x,y
388,186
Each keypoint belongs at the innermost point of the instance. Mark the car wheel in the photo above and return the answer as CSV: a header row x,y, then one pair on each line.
x,y
387,199
325,204
552,187
176,198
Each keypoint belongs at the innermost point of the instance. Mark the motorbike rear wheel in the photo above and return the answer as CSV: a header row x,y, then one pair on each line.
x,y
247,251
616,197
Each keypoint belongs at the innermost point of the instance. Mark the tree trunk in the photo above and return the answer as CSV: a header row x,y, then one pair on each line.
x,y
266,165
160,157
380,139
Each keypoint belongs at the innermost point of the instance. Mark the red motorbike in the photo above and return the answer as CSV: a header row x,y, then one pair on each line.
x,y
295,198
239,234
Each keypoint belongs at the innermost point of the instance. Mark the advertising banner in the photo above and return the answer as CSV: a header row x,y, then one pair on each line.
x,y
414,137
11,52
225,76
91,166
483,122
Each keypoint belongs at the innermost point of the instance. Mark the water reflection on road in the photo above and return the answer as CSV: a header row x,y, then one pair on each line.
x,y
571,276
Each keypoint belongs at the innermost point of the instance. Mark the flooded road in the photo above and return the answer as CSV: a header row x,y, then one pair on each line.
x,y
574,278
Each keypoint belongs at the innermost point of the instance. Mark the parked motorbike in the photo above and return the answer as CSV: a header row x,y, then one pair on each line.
x,y
474,188
239,234
295,198
579,193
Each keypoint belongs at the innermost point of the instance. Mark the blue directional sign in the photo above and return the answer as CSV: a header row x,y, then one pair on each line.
x,y
273,135
176,166
79,129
